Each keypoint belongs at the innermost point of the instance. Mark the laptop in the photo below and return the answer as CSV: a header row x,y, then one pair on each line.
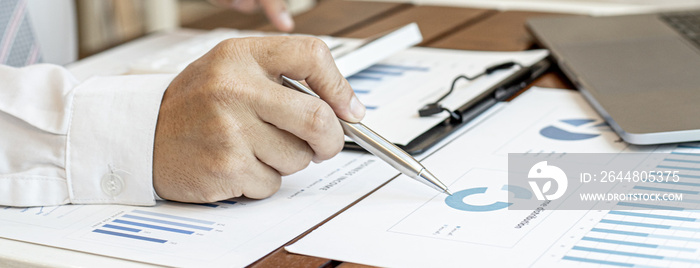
x,y
640,72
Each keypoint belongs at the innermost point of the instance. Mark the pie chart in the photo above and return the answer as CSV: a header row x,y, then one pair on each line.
x,y
574,129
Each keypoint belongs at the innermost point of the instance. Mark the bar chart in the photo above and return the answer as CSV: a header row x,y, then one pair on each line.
x,y
374,85
154,227
665,235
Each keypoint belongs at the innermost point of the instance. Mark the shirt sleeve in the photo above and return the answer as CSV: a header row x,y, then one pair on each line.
x,y
62,141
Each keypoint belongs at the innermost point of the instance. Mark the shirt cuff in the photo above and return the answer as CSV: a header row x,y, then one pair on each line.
x,y
110,139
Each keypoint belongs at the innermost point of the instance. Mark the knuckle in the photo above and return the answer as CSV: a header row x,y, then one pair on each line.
x,y
332,147
241,164
225,178
337,146
299,161
222,134
224,164
317,49
265,186
323,131
341,89
226,45
272,184
211,61
215,131
319,117
214,82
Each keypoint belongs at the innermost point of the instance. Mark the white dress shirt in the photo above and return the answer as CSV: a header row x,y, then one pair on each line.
x,y
62,141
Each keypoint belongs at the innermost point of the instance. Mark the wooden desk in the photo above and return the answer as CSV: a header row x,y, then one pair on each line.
x,y
442,27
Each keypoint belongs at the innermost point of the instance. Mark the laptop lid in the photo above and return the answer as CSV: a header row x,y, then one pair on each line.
x,y
640,74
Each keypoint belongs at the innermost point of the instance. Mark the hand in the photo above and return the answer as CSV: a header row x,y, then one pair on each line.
x,y
275,10
227,127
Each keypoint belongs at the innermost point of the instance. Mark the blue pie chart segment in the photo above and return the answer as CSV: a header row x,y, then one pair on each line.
x,y
557,133
518,192
456,201
578,122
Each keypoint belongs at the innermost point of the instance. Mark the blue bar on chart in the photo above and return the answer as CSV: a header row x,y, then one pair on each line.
x,y
229,202
369,79
652,216
117,227
648,206
666,190
211,205
155,227
399,67
381,72
687,154
633,254
612,263
640,234
650,225
173,217
359,76
679,168
680,183
681,160
635,244
179,224
690,146
137,237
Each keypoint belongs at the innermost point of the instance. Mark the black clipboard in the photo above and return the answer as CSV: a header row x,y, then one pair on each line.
x,y
502,91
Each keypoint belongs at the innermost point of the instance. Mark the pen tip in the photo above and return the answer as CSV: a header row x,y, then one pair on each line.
x,y
447,191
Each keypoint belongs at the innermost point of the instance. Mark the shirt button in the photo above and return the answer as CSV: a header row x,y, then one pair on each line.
x,y
112,184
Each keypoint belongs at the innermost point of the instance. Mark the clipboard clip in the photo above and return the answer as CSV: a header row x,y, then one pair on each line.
x,y
502,91
455,117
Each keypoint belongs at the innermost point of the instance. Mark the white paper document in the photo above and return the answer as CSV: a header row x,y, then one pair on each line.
x,y
229,233
406,225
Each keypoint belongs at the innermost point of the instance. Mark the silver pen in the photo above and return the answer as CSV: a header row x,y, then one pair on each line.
x,y
377,145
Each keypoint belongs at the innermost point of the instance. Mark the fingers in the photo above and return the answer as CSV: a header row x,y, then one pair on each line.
x,y
276,11
308,58
260,181
246,6
281,150
304,116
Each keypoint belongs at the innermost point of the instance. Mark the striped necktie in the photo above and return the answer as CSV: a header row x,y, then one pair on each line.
x,y
17,44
